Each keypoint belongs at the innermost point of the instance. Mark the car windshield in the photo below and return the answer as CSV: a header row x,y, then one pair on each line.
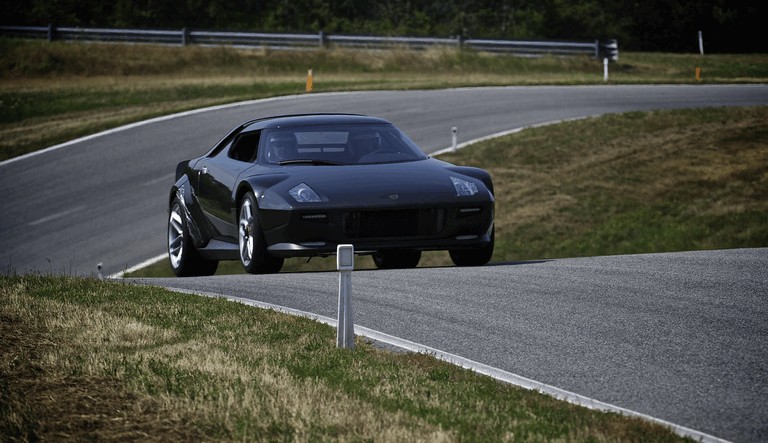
x,y
337,145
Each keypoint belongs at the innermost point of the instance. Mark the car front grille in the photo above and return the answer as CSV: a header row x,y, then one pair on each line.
x,y
394,223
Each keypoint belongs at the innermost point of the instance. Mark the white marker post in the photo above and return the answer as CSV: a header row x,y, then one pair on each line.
x,y
345,263
454,137
605,69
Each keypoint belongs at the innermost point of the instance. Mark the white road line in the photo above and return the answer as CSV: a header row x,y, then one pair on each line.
x,y
288,97
141,265
508,132
55,216
165,179
155,120
234,105
480,368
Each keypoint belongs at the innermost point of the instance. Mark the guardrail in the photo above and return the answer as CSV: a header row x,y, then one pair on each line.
x,y
606,49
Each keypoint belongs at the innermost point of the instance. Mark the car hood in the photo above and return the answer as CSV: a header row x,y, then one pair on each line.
x,y
381,185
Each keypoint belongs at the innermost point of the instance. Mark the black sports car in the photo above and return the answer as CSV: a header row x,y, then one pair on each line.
x,y
298,186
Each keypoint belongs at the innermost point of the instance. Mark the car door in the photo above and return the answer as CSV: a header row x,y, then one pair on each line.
x,y
217,178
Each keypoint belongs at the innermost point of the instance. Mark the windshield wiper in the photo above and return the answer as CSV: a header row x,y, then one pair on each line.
x,y
309,161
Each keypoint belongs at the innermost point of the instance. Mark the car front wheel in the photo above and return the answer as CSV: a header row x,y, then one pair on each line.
x,y
253,248
474,257
184,258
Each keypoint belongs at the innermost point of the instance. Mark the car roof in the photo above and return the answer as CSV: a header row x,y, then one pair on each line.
x,y
285,121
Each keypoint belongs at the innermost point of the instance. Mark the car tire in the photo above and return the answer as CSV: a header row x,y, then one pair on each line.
x,y
253,248
474,257
184,259
396,259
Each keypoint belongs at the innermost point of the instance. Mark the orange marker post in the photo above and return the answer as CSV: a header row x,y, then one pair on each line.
x,y
698,74
309,81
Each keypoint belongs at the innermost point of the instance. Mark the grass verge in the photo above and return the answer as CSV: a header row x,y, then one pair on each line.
x,y
53,92
619,184
631,183
84,359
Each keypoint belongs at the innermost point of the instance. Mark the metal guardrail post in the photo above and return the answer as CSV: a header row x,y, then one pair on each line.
x,y
323,40
184,36
345,263
51,32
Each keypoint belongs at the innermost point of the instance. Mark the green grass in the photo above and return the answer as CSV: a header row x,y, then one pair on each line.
x,y
632,183
83,359
619,184
53,92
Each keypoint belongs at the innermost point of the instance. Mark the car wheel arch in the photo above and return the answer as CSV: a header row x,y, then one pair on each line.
x,y
242,190
181,184
172,196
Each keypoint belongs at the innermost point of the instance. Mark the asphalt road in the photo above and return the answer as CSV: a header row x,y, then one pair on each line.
x,y
682,337
104,200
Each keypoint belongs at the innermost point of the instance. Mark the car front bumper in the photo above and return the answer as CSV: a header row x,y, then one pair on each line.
x,y
306,233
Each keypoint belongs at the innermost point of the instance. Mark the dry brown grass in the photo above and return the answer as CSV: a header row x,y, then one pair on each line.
x,y
56,354
90,360
43,400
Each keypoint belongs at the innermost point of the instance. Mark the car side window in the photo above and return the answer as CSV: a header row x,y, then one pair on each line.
x,y
224,143
245,147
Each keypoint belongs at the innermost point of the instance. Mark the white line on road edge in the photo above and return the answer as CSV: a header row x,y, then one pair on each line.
x,y
156,120
50,218
480,368
141,265
270,99
234,105
503,133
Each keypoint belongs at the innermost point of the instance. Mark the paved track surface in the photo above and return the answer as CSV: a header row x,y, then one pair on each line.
x,y
682,336
104,200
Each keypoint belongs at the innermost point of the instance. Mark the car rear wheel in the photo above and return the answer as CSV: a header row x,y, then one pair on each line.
x,y
253,248
396,259
184,258
474,257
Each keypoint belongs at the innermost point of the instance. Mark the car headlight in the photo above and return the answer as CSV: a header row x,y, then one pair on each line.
x,y
302,193
463,187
